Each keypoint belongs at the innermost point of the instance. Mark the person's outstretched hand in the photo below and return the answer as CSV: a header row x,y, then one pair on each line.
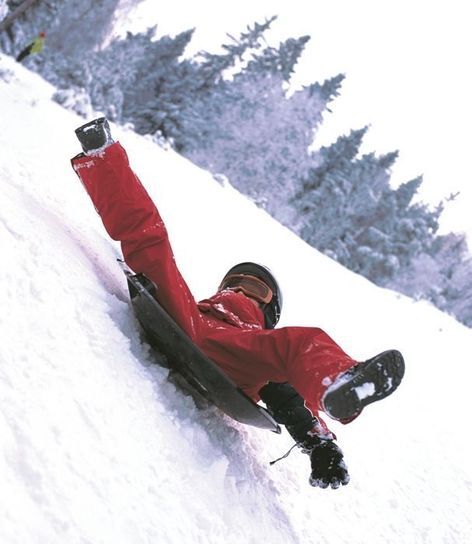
x,y
327,466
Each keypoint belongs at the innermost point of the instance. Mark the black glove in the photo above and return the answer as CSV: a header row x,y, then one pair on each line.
x,y
327,465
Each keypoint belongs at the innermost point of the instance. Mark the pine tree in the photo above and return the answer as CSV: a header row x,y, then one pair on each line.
x,y
162,98
75,29
335,157
442,274
3,14
281,60
259,138
329,89
213,67
324,192
394,234
148,69
348,210
17,10
250,130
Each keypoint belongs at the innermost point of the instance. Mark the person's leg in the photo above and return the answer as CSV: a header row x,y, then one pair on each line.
x,y
24,53
305,357
310,361
130,216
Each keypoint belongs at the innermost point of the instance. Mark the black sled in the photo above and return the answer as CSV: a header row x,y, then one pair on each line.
x,y
188,365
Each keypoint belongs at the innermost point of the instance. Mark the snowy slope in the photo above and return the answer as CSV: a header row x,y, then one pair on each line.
x,y
96,445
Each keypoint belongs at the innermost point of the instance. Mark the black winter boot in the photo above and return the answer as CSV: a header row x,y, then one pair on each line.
x,y
363,384
94,134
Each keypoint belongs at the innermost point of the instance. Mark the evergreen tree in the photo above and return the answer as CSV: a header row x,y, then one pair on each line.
x,y
213,67
281,60
3,13
146,65
230,113
393,235
442,274
348,210
329,88
458,292
17,9
259,138
159,88
250,130
163,83
325,193
74,28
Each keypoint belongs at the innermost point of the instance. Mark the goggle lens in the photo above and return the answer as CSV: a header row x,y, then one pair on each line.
x,y
250,285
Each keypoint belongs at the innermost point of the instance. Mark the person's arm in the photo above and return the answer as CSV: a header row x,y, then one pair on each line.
x,y
130,216
288,408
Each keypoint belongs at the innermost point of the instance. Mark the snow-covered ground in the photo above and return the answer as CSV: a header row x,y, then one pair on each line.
x,y
98,447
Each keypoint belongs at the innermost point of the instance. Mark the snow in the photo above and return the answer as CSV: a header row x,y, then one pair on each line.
x,y
98,447
366,390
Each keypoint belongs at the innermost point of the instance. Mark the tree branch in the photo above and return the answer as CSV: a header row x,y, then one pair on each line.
x,y
8,21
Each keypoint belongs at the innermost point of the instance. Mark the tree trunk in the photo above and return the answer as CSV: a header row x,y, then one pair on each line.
x,y
15,14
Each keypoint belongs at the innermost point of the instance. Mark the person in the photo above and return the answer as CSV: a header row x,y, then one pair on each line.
x,y
36,46
297,371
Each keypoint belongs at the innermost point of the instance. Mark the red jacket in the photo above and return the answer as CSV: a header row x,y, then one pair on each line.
x,y
227,326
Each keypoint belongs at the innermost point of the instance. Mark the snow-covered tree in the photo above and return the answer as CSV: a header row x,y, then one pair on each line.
x,y
214,66
157,83
458,293
74,28
230,113
396,231
442,275
328,195
17,9
156,88
281,60
3,9
176,90
250,130
348,210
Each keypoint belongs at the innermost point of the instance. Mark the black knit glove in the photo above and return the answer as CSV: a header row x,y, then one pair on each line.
x,y
327,465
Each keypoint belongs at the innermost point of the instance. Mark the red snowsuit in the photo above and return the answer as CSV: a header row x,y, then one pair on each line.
x,y
228,327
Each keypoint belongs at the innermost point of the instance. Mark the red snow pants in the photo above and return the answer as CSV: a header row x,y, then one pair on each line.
x,y
227,327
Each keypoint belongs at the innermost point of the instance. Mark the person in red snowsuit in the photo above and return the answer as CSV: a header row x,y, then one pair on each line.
x,y
298,371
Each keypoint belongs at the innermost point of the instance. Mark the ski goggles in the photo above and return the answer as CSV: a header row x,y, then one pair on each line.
x,y
250,285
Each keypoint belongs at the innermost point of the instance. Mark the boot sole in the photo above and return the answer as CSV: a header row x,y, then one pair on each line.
x,y
375,380
94,134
